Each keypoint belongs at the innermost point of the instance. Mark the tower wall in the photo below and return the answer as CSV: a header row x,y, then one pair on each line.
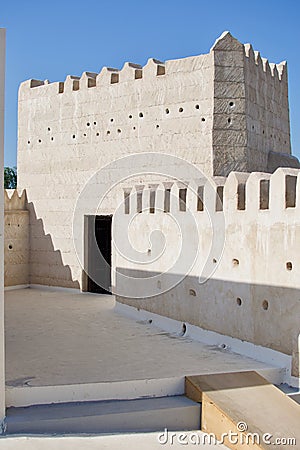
x,y
251,128
69,130
267,109
200,108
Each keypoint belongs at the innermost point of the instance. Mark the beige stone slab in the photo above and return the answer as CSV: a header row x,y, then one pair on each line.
x,y
246,398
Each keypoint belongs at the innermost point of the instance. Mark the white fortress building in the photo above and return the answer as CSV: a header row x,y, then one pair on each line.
x,y
226,113
181,173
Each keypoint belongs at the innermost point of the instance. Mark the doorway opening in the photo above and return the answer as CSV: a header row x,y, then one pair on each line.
x,y
97,231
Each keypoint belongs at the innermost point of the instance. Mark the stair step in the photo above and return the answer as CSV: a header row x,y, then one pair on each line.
x,y
114,416
244,399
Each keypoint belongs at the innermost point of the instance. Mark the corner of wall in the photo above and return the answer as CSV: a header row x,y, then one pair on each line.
x,y
229,138
266,109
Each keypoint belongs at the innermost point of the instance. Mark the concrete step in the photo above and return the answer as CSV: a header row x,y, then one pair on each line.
x,y
177,440
151,414
245,402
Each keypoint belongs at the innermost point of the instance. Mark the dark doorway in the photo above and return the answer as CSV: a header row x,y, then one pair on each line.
x,y
98,243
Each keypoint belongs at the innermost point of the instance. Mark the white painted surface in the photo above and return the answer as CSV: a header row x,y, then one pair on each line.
x,y
114,390
71,342
143,441
2,352
19,286
263,354
248,258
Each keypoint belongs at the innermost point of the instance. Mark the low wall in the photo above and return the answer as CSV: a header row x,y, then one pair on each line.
x,y
229,263
16,239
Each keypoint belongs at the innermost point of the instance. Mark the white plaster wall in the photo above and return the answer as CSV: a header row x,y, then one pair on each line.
x,y
2,354
253,267
55,170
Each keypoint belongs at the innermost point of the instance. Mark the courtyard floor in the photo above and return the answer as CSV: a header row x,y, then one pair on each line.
x,y
60,337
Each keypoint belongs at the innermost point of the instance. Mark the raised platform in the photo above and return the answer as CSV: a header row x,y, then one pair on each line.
x,y
65,346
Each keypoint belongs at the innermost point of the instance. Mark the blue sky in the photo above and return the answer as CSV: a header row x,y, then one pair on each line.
x,y
49,40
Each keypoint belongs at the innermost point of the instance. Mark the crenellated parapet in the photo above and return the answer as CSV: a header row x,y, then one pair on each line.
x,y
231,100
267,109
15,200
107,76
16,238
153,68
255,195
279,71
229,107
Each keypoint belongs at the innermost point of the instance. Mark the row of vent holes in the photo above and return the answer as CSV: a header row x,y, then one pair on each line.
x,y
271,135
108,132
290,197
157,126
236,262
141,115
288,265
119,131
231,104
265,303
167,111
40,140
84,135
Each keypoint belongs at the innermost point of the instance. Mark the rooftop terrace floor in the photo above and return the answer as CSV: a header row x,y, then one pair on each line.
x,y
60,338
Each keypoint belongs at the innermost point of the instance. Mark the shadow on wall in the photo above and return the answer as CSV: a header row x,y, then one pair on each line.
x,y
46,266
260,314
16,239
